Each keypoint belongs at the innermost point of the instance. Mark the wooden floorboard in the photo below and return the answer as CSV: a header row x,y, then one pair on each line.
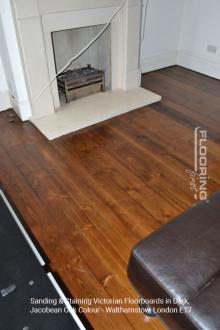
x,y
88,197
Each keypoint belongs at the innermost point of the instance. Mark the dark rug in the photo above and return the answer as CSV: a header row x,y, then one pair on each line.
x,y
28,299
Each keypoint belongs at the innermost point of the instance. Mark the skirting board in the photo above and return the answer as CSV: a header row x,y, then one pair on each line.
x,y
158,61
93,109
198,63
186,59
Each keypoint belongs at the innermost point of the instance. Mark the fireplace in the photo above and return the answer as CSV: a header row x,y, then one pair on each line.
x,y
88,74
37,22
51,31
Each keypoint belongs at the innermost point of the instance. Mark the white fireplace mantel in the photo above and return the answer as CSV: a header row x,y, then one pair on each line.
x,y
36,19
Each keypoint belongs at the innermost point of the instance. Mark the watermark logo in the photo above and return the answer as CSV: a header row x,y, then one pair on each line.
x,y
199,175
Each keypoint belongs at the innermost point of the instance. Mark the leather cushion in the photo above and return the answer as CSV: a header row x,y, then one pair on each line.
x,y
181,260
183,255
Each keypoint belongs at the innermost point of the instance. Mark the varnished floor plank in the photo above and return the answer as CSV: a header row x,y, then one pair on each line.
x,y
88,197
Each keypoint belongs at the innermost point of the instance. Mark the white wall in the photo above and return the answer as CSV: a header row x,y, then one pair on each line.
x,y
12,62
200,28
162,33
179,32
4,92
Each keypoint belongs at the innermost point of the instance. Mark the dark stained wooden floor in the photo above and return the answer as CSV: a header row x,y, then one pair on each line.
x,y
90,196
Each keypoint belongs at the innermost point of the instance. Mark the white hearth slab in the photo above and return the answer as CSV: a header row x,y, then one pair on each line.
x,y
93,109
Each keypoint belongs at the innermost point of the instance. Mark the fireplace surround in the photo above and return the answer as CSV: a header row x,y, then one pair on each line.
x,y
36,20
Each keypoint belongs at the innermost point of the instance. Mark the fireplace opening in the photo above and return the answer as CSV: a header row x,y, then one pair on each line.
x,y
91,72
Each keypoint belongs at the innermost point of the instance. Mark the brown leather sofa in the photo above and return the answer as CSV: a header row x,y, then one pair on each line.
x,y
179,262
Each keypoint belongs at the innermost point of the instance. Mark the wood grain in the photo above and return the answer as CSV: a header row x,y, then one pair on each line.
x,y
90,196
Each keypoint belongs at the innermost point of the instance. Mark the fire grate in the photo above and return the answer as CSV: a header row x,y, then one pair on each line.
x,y
81,82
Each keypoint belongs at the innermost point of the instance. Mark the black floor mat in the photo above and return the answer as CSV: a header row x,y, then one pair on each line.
x,y
22,309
